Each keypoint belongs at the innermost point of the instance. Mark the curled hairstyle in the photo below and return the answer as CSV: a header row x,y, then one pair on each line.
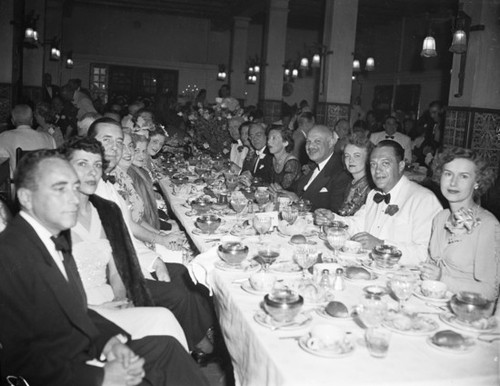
x,y
398,149
26,172
286,136
360,140
485,174
90,145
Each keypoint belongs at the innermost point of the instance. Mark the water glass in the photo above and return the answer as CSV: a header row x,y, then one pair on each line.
x,y
403,284
372,311
289,214
305,256
336,237
377,341
262,225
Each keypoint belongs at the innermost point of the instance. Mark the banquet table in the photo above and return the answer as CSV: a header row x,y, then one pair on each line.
x,y
262,356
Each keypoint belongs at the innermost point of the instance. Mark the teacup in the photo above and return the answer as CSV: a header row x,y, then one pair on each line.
x,y
434,289
324,336
262,281
352,246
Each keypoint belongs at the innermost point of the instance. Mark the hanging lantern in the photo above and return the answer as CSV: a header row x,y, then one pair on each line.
x,y
370,64
459,43
221,75
316,60
287,72
256,69
356,65
251,70
429,47
295,73
70,63
304,63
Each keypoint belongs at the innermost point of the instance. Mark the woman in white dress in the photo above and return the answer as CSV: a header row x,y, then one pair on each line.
x,y
113,283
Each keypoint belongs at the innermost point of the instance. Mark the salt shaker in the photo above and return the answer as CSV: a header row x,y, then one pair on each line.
x,y
250,206
338,284
324,282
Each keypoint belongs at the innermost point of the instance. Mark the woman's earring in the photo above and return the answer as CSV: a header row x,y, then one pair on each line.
x,y
476,186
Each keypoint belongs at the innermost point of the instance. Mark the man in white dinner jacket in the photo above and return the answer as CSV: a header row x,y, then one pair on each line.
x,y
399,212
390,127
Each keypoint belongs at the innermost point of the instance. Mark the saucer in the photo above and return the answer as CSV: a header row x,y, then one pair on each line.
x,y
418,293
302,320
470,344
252,266
371,265
337,350
452,321
419,326
247,287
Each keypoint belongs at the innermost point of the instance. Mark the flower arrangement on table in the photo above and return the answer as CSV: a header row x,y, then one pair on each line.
x,y
208,129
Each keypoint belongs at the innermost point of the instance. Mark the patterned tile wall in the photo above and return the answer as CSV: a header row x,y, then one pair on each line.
x,y
329,113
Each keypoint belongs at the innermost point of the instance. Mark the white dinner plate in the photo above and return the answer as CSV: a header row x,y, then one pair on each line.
x,y
218,232
418,293
370,264
336,351
302,320
247,287
425,326
451,320
252,266
470,344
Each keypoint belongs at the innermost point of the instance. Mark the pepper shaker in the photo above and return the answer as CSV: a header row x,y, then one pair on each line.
x,y
338,284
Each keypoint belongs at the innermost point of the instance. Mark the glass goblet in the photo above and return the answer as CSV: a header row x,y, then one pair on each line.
x,y
262,198
305,256
268,254
261,225
403,284
289,214
336,237
238,204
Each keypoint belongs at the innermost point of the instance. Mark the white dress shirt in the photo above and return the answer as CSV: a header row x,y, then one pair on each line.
x,y
317,170
400,138
260,155
409,229
45,236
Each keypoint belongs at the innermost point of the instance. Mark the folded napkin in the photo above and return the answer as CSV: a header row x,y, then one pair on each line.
x,y
201,267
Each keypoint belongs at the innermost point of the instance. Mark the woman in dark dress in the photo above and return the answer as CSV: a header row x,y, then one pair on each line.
x,y
286,167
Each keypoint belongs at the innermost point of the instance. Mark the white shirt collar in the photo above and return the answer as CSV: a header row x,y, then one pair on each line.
x,y
396,188
322,164
261,151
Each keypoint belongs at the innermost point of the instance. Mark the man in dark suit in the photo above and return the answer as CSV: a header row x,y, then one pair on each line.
x,y
260,165
326,184
49,90
47,334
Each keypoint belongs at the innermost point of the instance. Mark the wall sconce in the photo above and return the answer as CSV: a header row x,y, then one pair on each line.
x,y
222,74
370,64
304,63
295,73
30,30
356,67
429,47
251,79
316,61
70,63
55,52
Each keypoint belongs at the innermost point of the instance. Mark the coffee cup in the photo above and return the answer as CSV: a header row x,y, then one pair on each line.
x,y
323,336
433,289
262,281
352,246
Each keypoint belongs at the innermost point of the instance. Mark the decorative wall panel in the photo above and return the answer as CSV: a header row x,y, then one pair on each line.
x,y
329,113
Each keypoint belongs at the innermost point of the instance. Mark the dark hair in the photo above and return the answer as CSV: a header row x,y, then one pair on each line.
x,y
243,125
44,109
399,152
359,125
92,132
286,136
157,131
485,173
136,138
390,117
25,175
436,104
88,144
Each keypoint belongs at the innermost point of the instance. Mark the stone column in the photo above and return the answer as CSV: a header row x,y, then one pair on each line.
x,y
473,119
239,57
339,36
271,81
7,48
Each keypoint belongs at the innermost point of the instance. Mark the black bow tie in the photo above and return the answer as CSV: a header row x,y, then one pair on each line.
x,y
109,178
378,198
61,243
389,137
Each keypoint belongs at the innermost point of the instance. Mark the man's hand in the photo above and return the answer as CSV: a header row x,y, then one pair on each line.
x,y
429,271
323,216
116,350
245,178
161,270
367,240
116,374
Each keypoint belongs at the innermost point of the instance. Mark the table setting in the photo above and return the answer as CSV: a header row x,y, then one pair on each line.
x,y
292,295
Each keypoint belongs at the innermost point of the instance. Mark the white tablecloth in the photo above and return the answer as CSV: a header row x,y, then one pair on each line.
x,y
260,357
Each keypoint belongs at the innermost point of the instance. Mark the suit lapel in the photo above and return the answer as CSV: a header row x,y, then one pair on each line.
x,y
65,294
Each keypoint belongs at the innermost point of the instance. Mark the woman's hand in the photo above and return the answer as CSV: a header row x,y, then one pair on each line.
x,y
429,271
173,241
